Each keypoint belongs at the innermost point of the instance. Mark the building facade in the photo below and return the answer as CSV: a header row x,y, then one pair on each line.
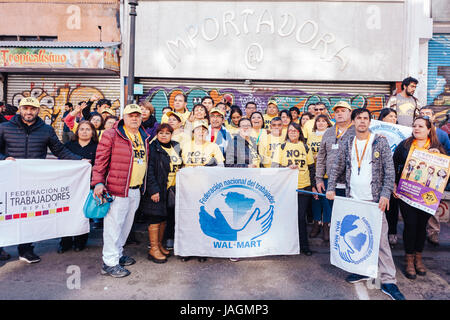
x,y
294,52
67,51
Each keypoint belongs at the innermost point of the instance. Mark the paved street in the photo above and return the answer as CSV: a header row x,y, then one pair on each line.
x,y
75,275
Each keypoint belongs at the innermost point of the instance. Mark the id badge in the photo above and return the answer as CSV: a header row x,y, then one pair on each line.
x,y
335,146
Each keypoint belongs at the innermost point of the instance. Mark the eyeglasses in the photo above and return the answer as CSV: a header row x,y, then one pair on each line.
x,y
320,109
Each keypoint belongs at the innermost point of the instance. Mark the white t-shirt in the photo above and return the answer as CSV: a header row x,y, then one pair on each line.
x,y
360,185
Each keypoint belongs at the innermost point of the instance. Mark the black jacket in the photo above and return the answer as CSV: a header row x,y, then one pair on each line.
x,y
21,141
157,176
86,152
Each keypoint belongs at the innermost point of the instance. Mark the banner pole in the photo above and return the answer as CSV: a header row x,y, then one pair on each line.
x,y
313,193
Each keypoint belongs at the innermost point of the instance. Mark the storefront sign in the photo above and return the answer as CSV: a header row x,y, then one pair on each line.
x,y
270,40
92,58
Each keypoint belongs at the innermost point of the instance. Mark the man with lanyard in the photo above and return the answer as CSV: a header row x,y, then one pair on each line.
x,y
330,147
366,161
217,132
120,169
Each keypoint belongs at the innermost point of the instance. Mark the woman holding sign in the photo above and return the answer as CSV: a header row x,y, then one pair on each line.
x,y
159,199
84,144
414,233
295,154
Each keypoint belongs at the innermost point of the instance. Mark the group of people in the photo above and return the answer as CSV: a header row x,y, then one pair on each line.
x,y
136,159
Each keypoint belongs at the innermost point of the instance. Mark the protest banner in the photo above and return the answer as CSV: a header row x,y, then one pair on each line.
x,y
355,236
423,179
236,212
394,133
42,199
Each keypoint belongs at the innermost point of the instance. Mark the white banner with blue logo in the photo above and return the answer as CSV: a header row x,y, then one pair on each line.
x,y
355,236
394,133
236,212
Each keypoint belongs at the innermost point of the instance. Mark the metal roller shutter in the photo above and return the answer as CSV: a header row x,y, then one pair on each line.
x,y
54,91
438,89
161,92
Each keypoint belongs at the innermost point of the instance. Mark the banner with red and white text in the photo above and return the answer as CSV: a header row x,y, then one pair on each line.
x,y
42,199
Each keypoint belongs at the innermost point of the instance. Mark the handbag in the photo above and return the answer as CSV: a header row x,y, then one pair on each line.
x,y
171,198
93,207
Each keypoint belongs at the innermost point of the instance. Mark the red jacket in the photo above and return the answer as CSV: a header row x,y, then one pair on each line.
x,y
114,160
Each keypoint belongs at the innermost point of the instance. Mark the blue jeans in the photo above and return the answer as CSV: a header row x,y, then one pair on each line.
x,y
322,205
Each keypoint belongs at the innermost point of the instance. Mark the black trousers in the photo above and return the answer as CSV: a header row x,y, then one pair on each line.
x,y
304,200
414,232
170,226
392,215
25,247
77,241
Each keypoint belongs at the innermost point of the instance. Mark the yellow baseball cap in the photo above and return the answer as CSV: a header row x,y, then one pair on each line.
x,y
132,108
342,104
175,114
218,111
200,123
110,111
30,101
272,102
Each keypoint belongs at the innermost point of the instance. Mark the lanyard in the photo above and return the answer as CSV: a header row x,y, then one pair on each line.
x,y
259,135
357,153
340,135
136,142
